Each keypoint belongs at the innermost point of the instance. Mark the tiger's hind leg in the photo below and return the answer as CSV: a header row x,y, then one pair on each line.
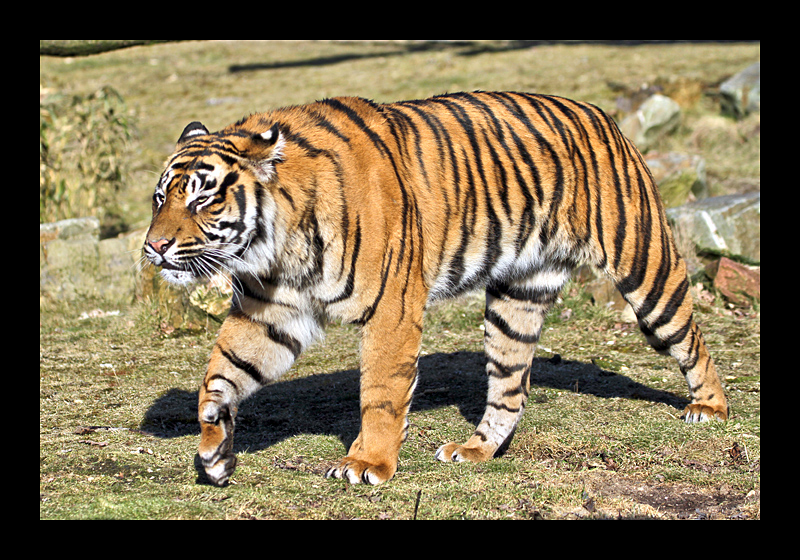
x,y
513,322
664,312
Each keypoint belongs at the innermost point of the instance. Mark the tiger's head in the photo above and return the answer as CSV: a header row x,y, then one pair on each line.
x,y
211,208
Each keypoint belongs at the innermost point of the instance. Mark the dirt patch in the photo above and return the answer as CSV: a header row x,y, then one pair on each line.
x,y
671,500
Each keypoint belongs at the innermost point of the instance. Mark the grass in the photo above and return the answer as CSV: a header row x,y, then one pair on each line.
x,y
118,430
601,437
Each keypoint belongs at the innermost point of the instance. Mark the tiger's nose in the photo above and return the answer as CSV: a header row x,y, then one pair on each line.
x,y
161,245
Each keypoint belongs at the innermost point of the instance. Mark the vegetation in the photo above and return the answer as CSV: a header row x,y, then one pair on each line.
x,y
83,156
601,437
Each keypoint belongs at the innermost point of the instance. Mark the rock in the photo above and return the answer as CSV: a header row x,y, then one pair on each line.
x,y
656,117
117,270
73,229
730,223
603,292
720,224
741,94
213,297
75,264
680,177
68,259
738,283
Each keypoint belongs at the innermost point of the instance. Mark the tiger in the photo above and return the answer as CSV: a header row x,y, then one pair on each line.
x,y
366,213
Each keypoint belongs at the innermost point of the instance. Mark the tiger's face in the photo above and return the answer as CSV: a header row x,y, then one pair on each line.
x,y
209,207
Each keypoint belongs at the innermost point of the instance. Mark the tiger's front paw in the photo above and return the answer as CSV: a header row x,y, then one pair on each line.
x,y
216,443
697,412
356,471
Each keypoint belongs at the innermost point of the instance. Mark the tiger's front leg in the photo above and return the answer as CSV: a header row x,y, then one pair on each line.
x,y
390,348
248,355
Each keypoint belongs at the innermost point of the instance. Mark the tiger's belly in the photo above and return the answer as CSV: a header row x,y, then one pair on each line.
x,y
536,265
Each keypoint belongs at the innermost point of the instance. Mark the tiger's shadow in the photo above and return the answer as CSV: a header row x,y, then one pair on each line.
x,y
329,403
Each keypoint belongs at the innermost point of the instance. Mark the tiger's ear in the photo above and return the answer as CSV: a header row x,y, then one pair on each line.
x,y
267,145
264,150
192,129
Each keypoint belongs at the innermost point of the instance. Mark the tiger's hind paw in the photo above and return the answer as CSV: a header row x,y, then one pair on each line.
x,y
452,452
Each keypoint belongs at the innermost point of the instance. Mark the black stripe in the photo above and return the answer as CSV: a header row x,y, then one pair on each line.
x,y
674,303
503,370
324,123
359,122
693,355
557,187
229,180
564,128
300,141
463,118
527,220
535,294
495,319
286,340
443,141
208,380
622,224
350,283
641,256
468,217
405,131
241,364
502,406
222,148
679,335
571,116
370,310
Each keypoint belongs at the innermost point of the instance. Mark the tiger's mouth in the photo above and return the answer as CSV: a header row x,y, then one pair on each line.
x,y
177,276
166,265
191,269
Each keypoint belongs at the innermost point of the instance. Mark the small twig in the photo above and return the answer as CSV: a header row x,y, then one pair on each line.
x,y
416,505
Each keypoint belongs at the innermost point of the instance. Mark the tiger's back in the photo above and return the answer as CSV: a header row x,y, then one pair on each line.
x,y
349,209
520,180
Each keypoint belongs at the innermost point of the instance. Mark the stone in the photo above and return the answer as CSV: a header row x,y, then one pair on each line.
x,y
214,296
723,224
680,177
118,265
603,292
656,117
738,283
741,94
186,308
68,259
75,265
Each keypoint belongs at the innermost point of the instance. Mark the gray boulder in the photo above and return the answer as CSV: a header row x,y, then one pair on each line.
x,y
728,224
75,264
656,117
680,177
741,94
